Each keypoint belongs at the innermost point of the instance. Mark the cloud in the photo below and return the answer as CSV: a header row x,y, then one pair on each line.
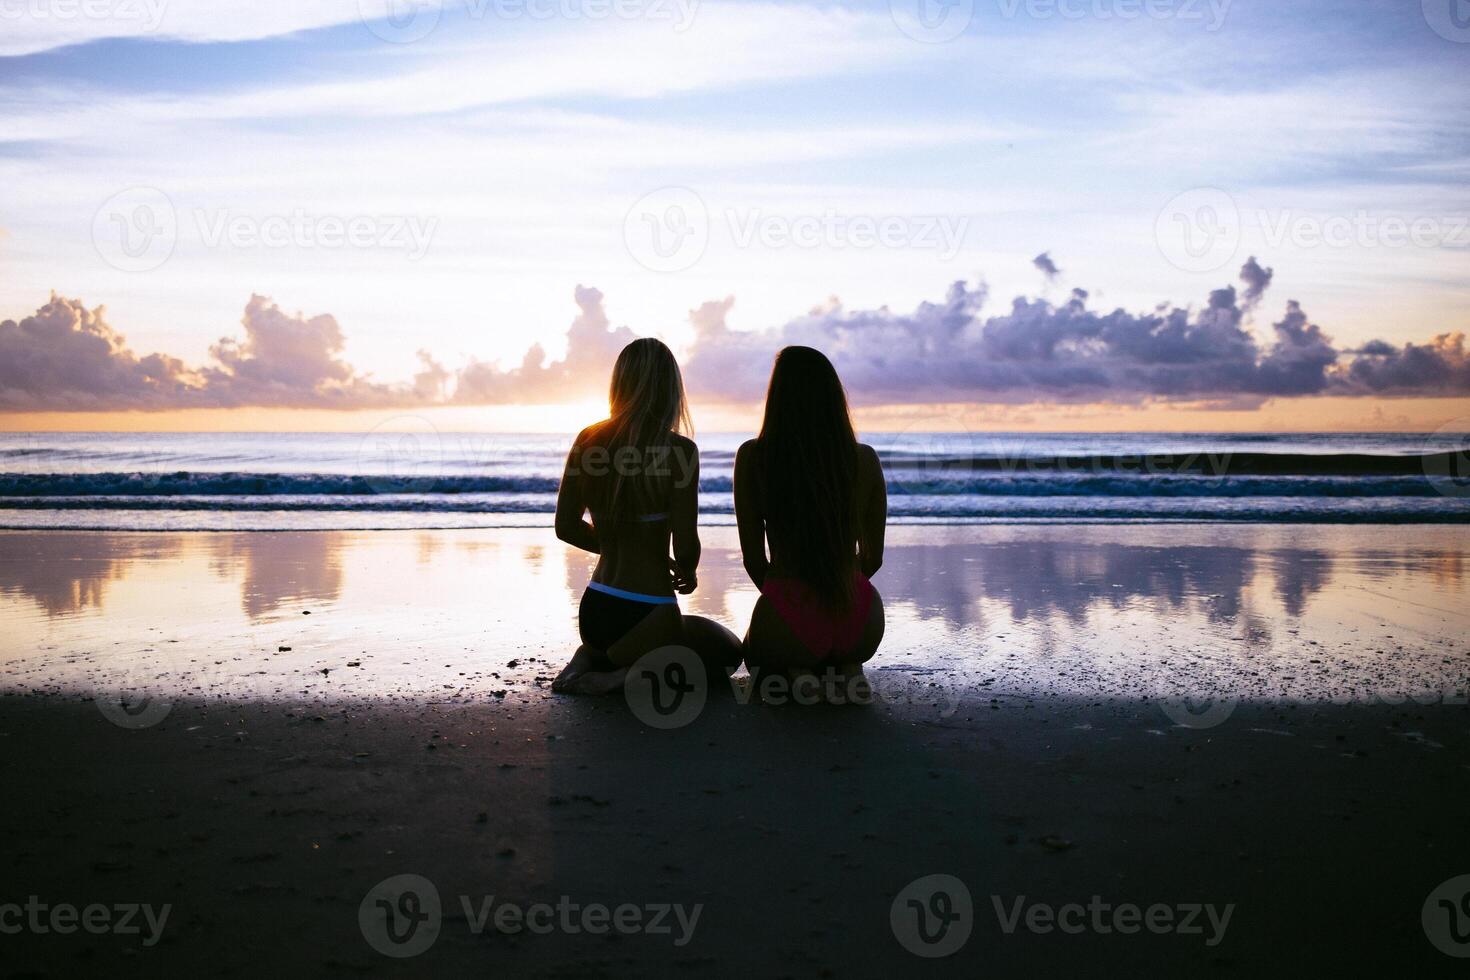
x,y
1037,351
591,349
67,358
1046,265
1257,279
1380,368
291,362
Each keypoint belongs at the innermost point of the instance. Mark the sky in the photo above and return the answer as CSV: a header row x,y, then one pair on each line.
x,y
1071,214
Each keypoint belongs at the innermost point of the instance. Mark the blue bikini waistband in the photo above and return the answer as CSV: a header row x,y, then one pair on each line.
x,y
652,600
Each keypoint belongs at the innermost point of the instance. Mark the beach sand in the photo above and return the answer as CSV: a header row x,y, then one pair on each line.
x,y
1271,719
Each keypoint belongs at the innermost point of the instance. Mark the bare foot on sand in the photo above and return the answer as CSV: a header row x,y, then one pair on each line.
x,y
597,682
806,686
846,684
579,677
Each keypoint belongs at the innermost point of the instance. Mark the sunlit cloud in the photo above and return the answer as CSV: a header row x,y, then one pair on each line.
x,y
68,358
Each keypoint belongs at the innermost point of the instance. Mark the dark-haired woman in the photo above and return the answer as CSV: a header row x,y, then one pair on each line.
x,y
810,492
637,475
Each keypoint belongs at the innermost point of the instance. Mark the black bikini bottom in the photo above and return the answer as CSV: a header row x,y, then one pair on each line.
x,y
604,619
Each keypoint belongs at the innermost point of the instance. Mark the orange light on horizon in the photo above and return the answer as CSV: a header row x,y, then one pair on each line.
x,y
1318,414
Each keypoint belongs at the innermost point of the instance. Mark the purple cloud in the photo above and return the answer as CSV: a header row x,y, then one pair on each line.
x,y
1047,266
67,358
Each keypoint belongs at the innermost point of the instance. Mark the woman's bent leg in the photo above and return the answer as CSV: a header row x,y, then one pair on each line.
x,y
662,627
718,648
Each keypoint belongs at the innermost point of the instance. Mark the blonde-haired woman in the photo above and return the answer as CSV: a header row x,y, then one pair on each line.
x,y
637,475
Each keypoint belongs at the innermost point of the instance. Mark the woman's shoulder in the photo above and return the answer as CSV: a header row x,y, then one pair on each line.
x,y
747,454
591,435
868,454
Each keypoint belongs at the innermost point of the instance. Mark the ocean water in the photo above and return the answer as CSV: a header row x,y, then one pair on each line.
x,y
406,474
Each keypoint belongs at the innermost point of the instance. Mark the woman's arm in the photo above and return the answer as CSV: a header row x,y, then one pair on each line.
x,y
571,504
684,515
873,521
748,515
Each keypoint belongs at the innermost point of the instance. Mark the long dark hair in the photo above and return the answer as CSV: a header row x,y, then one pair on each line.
x,y
809,461
646,405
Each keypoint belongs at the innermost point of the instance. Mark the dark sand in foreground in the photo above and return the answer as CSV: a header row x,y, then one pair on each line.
x,y
265,820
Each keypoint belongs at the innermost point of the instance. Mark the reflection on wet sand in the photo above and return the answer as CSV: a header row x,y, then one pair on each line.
x,y
1101,605
68,572
287,568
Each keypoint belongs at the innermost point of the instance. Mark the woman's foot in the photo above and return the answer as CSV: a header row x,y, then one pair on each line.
x,y
846,684
598,682
806,686
580,665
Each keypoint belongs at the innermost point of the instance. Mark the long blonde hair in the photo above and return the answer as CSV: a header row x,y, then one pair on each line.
x,y
646,406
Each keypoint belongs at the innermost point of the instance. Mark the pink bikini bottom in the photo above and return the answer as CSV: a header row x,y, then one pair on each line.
x,y
821,631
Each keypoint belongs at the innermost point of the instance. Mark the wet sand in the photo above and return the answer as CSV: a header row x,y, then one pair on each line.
x,y
1267,719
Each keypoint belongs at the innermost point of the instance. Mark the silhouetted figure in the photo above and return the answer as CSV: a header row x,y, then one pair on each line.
x,y
807,488
637,475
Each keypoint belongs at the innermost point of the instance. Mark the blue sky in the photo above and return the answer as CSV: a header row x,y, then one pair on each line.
x,y
520,149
